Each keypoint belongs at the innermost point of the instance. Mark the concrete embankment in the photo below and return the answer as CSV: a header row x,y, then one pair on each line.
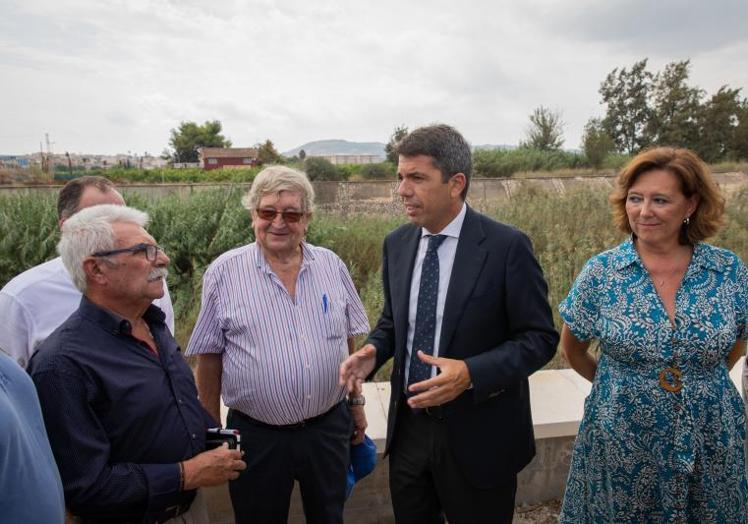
x,y
381,196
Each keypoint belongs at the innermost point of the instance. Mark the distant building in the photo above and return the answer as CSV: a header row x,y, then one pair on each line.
x,y
217,157
351,159
14,161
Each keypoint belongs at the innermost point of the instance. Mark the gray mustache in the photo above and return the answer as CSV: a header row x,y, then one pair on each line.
x,y
158,272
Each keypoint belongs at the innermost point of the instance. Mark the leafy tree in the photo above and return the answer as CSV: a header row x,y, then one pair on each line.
x,y
740,139
318,168
546,131
397,135
267,154
626,94
381,171
675,107
718,122
302,155
596,143
190,136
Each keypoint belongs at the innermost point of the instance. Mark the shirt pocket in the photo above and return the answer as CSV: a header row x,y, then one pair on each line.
x,y
334,322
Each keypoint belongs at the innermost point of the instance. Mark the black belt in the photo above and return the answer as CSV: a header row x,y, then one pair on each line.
x,y
171,512
157,518
297,425
436,412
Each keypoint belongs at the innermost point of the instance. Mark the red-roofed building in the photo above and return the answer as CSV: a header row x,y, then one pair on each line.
x,y
217,157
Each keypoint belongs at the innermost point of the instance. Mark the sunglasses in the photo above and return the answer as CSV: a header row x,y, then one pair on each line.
x,y
288,216
150,250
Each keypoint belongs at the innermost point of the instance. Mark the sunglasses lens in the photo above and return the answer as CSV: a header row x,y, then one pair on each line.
x,y
292,216
266,214
288,216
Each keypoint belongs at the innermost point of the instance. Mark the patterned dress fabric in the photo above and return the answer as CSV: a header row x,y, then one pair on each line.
x,y
643,453
428,290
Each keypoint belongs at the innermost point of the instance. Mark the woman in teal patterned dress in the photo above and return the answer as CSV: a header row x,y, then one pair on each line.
x,y
663,429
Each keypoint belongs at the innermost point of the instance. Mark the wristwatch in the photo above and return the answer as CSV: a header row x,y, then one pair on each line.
x,y
358,400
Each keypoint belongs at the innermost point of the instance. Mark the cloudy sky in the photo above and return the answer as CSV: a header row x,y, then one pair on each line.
x,y
108,76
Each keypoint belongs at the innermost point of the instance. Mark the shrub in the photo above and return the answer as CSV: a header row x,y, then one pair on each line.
x,y
321,169
381,171
500,163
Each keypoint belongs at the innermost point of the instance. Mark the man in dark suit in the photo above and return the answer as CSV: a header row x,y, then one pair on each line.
x,y
466,319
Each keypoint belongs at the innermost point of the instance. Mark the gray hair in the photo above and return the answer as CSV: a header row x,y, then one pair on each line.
x,y
274,179
89,231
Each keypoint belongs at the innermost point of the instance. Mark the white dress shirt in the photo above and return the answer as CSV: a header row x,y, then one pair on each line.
x,y
446,253
38,300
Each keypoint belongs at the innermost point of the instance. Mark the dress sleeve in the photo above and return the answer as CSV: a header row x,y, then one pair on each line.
x,y
741,298
581,308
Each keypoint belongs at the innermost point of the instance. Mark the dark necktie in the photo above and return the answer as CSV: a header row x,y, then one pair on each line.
x,y
428,290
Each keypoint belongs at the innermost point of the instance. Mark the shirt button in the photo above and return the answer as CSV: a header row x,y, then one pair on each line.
x,y
194,436
180,401
308,397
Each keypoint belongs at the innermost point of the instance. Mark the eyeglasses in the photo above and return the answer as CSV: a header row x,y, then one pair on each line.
x,y
288,216
150,250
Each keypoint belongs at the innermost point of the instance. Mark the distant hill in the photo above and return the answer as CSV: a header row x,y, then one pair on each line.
x,y
338,147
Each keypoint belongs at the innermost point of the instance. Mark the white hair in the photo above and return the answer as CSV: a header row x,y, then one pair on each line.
x,y
274,179
89,231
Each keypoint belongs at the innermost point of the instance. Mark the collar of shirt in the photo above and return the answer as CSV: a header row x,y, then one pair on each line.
x,y
702,257
261,262
114,323
453,228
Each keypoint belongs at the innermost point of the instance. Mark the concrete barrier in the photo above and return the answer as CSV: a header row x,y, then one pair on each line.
x,y
557,399
380,196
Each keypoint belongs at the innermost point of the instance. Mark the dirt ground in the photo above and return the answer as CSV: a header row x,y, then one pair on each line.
x,y
546,513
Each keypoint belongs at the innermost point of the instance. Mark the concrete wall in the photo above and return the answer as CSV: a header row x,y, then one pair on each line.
x,y
381,196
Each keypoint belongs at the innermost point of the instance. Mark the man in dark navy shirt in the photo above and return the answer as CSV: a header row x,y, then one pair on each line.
x,y
119,402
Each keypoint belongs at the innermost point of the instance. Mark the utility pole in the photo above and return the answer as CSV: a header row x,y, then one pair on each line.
x,y
70,164
50,159
43,159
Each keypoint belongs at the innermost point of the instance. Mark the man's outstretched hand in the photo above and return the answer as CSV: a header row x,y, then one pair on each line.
x,y
447,385
358,366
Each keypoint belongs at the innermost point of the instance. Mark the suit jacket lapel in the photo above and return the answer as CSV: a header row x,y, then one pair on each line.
x,y
401,272
469,261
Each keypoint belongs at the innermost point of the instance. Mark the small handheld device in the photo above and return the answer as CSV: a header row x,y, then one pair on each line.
x,y
215,437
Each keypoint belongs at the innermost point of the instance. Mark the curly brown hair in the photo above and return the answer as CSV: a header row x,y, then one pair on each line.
x,y
695,179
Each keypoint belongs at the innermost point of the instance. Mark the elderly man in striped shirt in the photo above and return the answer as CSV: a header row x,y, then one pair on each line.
x,y
278,317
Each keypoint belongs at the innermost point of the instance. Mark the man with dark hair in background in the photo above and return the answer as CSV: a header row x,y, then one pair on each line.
x,y
466,320
38,300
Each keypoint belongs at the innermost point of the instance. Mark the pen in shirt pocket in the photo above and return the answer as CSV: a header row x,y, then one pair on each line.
x,y
324,302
